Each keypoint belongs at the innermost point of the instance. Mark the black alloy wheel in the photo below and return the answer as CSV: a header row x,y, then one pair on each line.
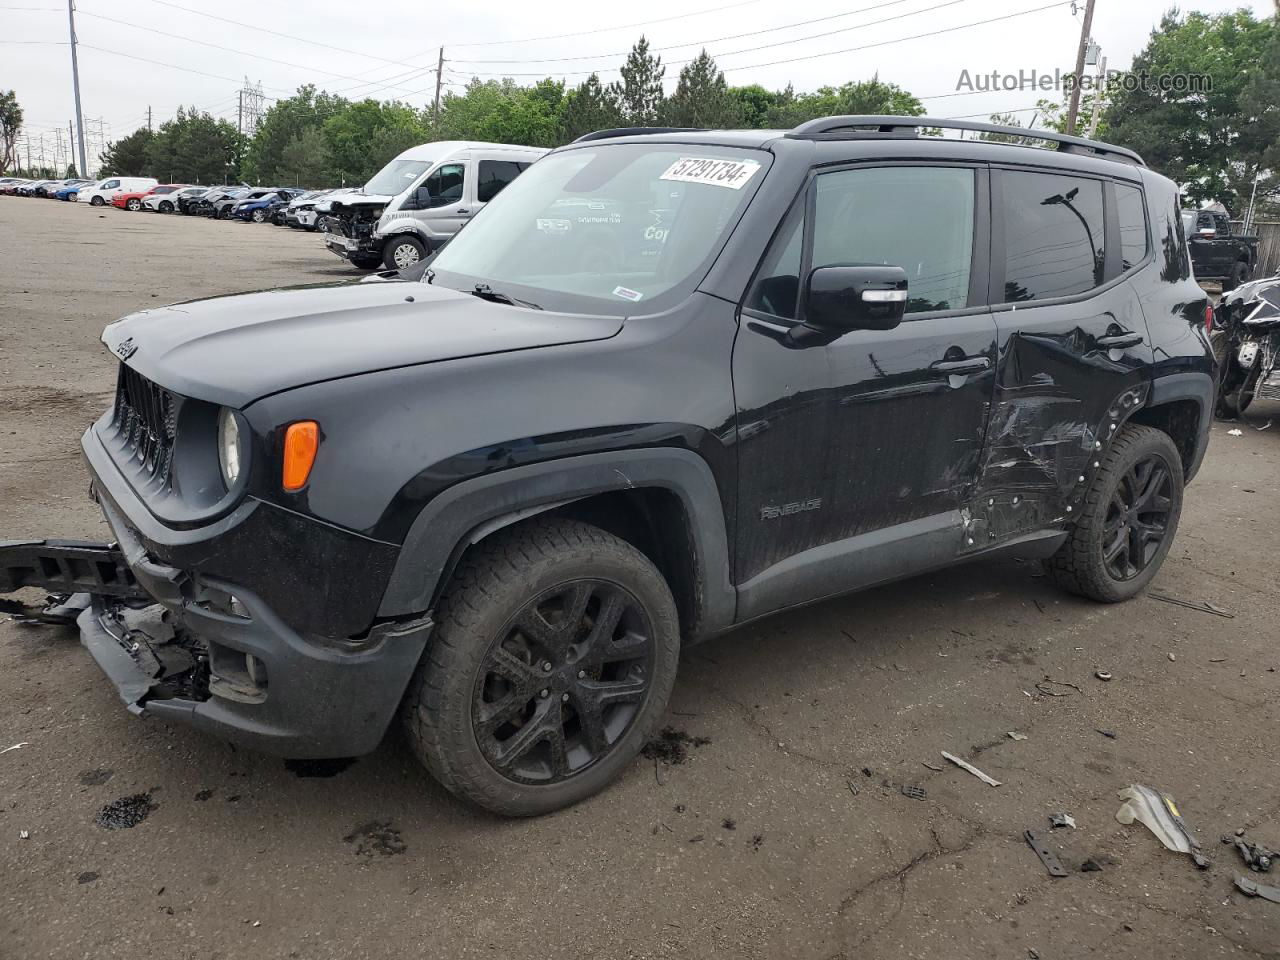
x,y
1137,518
563,681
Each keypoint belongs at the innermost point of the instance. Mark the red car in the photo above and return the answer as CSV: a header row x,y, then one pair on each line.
x,y
133,201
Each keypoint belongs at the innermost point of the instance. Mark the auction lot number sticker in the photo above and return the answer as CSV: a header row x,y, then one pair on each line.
x,y
719,173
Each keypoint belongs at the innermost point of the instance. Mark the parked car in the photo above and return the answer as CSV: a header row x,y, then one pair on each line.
x,y
719,397
420,199
300,213
1217,253
133,200
10,185
205,205
69,189
35,188
162,199
105,191
186,198
262,208
222,209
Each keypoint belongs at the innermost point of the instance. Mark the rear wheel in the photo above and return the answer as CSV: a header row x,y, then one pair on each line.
x,y
554,657
166,206
134,204
97,202
1127,521
401,252
1239,274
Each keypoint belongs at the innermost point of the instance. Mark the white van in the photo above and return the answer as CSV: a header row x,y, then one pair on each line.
x,y
419,200
101,192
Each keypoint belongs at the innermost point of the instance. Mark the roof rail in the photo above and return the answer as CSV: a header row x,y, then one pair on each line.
x,y
633,132
852,127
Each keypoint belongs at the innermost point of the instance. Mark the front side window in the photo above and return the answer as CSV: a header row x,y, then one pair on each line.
x,y
1053,236
445,184
1132,216
615,228
917,218
111,185
493,176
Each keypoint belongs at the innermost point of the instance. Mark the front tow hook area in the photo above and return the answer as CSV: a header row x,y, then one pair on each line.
x,y
70,571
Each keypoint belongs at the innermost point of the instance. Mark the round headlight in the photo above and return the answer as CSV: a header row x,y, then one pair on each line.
x,y
229,458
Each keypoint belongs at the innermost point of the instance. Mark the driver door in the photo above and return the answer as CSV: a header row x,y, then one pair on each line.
x,y
446,198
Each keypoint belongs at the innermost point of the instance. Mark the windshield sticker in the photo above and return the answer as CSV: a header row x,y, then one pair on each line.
x,y
553,226
625,294
718,173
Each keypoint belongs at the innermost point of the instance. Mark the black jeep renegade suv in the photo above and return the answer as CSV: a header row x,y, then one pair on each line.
x,y
664,384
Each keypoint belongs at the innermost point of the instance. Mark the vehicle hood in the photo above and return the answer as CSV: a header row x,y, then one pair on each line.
x,y
236,349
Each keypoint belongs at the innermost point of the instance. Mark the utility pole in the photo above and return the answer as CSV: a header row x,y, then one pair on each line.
x,y
439,79
75,76
148,118
1097,98
1074,108
240,113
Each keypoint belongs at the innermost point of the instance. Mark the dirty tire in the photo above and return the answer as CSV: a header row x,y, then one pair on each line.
x,y
1239,275
493,583
403,252
1079,566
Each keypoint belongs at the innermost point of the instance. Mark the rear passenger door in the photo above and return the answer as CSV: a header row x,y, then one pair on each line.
x,y
1074,348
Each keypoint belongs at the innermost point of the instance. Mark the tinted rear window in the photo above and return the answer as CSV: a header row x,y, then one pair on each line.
x,y
1133,225
1053,236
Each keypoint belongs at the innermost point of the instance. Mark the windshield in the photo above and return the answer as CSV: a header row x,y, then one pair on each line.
x,y
396,177
619,223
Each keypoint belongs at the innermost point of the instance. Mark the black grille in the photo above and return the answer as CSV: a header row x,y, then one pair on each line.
x,y
145,419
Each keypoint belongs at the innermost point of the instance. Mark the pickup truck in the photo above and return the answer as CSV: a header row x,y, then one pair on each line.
x,y
1217,254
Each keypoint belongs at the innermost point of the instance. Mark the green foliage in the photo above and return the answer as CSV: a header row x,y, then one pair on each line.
x,y
360,134
10,127
640,91
1212,142
128,156
193,147
286,120
304,159
701,97
70,173
587,107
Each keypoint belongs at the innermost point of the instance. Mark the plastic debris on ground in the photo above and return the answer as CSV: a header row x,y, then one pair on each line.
x,y
1057,820
1102,675
971,769
1158,813
1013,735
1235,432
1252,888
1255,856
16,746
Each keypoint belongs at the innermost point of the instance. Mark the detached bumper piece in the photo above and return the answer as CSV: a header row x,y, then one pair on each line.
x,y
69,570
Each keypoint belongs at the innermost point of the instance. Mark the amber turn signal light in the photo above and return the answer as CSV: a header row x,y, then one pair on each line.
x,y
300,442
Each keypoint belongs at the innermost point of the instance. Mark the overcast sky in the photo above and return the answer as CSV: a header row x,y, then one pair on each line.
x,y
386,54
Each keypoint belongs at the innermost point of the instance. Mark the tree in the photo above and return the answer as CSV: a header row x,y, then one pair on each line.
x,y
286,120
193,147
754,104
872,96
127,157
1260,108
587,107
363,136
71,172
701,97
10,127
640,92
305,160
1201,138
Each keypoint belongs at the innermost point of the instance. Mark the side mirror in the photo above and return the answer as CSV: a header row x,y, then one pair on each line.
x,y
420,199
855,297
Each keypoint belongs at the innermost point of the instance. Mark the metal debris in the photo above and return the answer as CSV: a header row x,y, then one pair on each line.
x,y
1255,856
1047,856
913,792
1202,607
1158,813
1057,820
1252,888
1043,685
1102,675
971,769
1013,735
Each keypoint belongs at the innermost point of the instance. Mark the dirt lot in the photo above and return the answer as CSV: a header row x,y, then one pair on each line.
x,y
785,835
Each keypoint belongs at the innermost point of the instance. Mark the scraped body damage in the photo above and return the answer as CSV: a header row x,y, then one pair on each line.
x,y
1054,412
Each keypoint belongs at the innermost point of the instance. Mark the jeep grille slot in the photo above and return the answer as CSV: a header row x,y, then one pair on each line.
x,y
145,422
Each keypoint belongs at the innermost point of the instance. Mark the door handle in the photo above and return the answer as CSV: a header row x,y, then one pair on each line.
x,y
953,368
463,210
1120,340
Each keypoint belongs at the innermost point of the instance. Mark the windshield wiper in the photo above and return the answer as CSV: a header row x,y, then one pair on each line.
x,y
486,292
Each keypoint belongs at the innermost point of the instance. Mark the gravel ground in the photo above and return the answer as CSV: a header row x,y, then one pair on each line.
x,y
785,835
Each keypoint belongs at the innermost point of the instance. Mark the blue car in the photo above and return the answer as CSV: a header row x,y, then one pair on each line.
x,y
261,209
69,191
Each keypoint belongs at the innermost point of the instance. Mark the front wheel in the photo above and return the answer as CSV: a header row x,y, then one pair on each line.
x,y
403,252
1127,520
554,657
1239,274
259,216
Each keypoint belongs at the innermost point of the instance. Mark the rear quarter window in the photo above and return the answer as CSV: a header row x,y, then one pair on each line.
x,y
1132,216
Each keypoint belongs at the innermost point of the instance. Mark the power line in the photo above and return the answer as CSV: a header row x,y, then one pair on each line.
x,y
160,63
811,56
621,26
736,36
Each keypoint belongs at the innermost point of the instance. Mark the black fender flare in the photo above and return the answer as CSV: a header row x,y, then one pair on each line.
x,y
471,510
1200,387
